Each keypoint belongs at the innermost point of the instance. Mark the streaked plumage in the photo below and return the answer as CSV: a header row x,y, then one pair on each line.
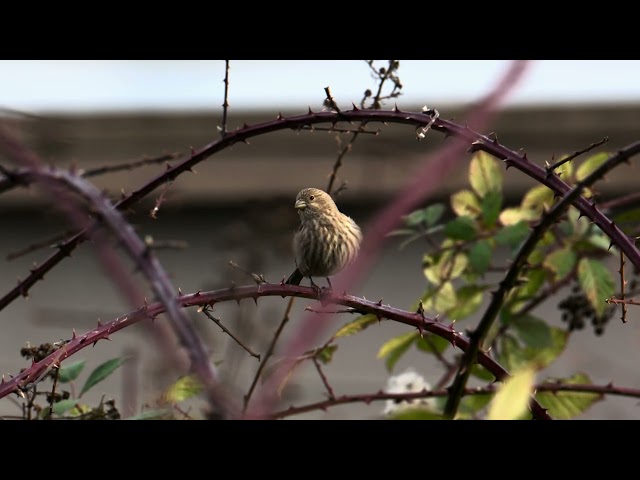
x,y
326,241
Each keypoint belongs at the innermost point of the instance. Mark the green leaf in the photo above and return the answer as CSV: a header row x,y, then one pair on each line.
x,y
596,282
447,267
491,204
471,404
414,218
482,373
565,171
326,354
416,414
433,213
101,372
590,164
159,414
394,348
510,216
561,262
485,174
628,216
466,204
432,343
512,398
400,232
64,405
185,388
469,300
356,325
514,356
480,257
536,198
566,405
460,228
445,299
68,373
533,280
532,331
513,235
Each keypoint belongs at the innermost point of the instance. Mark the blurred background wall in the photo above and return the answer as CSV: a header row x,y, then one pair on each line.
x,y
239,206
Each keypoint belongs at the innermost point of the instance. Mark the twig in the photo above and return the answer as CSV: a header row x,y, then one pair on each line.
x,y
622,301
272,346
623,284
330,102
53,392
225,104
258,278
47,242
621,201
511,277
438,354
551,168
165,244
206,311
128,165
323,378
156,207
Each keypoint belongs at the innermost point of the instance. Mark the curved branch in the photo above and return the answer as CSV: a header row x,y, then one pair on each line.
x,y
510,279
417,320
480,142
608,389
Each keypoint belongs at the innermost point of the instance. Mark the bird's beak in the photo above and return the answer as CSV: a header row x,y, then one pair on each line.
x,y
301,205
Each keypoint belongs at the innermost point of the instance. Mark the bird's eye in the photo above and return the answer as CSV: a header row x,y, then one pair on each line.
x,y
311,197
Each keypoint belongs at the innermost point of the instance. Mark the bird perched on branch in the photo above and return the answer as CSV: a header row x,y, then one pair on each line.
x,y
326,241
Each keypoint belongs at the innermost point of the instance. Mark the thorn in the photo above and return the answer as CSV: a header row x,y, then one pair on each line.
x,y
524,157
255,300
244,125
94,343
310,111
99,323
106,337
193,151
279,117
179,291
237,301
355,108
73,335
611,245
379,302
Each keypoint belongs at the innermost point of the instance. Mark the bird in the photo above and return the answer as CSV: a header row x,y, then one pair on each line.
x,y
326,241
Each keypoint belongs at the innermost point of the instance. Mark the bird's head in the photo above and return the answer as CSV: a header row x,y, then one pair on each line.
x,y
313,201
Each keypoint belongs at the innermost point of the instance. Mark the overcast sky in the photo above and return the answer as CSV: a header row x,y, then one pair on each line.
x,y
72,85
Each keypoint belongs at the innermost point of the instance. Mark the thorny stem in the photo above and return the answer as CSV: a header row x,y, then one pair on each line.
x,y
478,335
623,283
53,392
622,301
608,389
551,168
78,342
226,330
47,242
323,378
620,201
272,346
225,105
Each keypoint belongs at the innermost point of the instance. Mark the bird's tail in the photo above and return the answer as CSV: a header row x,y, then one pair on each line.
x,y
295,278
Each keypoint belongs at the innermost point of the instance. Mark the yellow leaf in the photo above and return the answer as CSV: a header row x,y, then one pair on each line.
x,y
512,398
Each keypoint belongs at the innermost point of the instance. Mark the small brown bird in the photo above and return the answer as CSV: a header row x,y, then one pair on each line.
x,y
326,241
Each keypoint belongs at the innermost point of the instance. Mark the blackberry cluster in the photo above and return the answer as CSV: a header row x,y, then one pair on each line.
x,y
576,308
37,353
